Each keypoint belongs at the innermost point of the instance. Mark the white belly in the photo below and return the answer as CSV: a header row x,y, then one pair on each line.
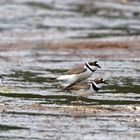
x,y
84,76
71,77
75,77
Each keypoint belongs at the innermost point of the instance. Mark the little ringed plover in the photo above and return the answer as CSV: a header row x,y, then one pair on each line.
x,y
93,86
79,73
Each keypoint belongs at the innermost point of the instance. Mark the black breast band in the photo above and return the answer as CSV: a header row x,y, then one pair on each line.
x,y
94,87
89,68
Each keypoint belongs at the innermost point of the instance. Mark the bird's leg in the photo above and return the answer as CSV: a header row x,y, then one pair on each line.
x,y
77,101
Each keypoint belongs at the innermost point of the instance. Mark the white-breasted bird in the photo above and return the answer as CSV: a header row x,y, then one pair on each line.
x,y
93,86
79,73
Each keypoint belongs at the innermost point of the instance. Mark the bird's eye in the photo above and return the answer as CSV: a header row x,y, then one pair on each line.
x,y
93,63
90,63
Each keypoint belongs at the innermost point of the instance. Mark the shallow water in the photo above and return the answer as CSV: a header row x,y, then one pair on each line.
x,y
33,105
32,102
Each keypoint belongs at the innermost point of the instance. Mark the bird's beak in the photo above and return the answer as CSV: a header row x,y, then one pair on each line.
x,y
97,66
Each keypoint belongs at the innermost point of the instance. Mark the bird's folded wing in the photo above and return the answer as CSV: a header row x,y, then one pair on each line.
x,y
79,86
77,70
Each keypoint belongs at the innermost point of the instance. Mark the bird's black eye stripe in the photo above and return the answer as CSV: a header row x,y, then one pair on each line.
x,y
90,63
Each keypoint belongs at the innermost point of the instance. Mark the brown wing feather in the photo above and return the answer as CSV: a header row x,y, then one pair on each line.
x,y
79,86
77,70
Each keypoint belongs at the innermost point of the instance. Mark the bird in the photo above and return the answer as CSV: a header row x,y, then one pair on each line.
x,y
79,73
92,86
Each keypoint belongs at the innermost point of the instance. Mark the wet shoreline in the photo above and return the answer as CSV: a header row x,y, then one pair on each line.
x,y
108,43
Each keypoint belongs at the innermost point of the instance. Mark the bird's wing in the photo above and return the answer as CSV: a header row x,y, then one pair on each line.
x,y
78,86
77,70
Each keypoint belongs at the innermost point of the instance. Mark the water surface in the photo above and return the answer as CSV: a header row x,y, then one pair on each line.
x,y
32,102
